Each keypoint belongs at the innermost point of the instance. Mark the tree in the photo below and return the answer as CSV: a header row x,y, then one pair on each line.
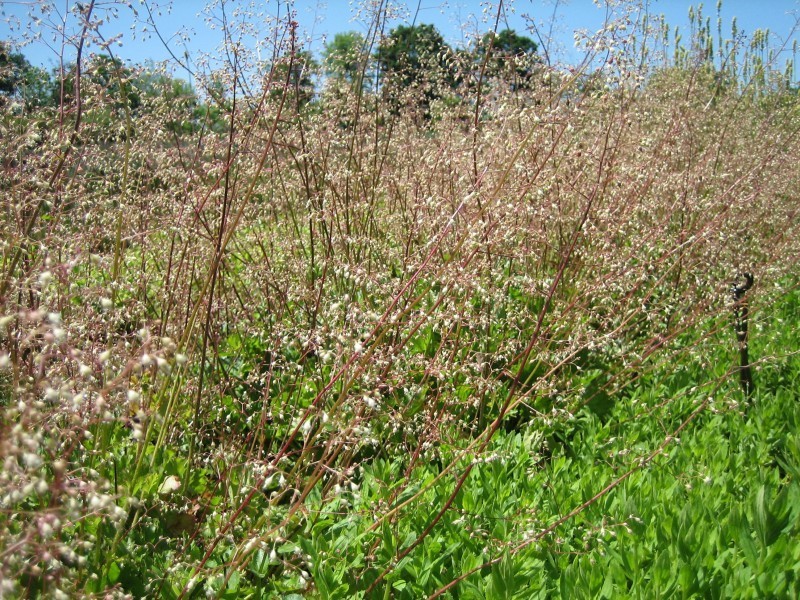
x,y
512,57
344,56
185,114
35,90
18,78
509,44
13,66
298,80
416,55
105,74
13,70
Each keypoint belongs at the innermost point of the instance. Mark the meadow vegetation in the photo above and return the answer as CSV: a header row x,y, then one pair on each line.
x,y
455,327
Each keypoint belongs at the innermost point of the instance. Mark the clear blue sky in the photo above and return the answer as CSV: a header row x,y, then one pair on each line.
x,y
320,20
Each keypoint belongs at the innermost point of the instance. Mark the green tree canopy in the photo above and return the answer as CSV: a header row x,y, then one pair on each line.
x,y
19,78
12,69
512,56
344,56
185,111
508,43
104,73
298,72
414,55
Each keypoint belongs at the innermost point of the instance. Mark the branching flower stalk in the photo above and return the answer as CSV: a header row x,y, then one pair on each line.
x,y
60,162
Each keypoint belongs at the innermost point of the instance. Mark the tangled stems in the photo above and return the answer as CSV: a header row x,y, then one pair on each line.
x,y
258,321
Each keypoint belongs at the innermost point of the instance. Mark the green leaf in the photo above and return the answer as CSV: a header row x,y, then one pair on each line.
x,y
607,591
567,583
388,538
762,518
502,578
113,573
740,524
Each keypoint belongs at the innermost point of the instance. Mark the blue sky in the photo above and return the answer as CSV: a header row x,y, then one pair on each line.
x,y
321,19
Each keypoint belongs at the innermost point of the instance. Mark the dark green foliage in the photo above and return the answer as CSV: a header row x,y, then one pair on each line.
x,y
293,75
415,59
512,57
102,73
344,56
413,54
18,78
13,66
